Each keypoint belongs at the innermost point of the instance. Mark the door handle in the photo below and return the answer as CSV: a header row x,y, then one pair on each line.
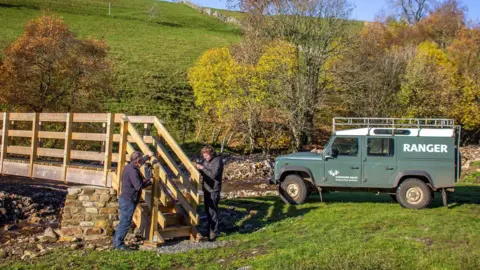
x,y
354,167
389,168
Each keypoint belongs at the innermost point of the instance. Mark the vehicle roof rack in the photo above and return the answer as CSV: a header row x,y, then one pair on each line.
x,y
394,123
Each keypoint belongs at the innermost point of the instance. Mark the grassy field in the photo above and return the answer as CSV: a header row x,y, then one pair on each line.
x,y
139,47
349,231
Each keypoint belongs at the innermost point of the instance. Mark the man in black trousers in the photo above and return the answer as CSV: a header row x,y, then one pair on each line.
x,y
212,170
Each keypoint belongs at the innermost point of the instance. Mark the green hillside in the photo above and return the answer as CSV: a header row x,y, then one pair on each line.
x,y
143,49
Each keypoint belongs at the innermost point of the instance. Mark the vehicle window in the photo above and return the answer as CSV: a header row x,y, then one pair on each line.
x,y
389,132
346,146
380,147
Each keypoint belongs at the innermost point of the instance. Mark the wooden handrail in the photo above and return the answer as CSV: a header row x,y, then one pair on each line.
x,y
176,170
175,192
194,173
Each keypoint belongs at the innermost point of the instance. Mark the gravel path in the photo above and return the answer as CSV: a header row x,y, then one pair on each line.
x,y
182,246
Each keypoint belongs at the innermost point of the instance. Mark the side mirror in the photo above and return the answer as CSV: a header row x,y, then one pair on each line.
x,y
334,152
328,154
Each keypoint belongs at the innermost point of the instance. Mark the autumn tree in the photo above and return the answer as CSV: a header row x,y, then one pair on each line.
x,y
411,11
428,89
444,23
247,95
49,69
465,53
367,78
318,30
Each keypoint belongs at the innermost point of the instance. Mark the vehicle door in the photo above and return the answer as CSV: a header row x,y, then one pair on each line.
x,y
343,166
379,162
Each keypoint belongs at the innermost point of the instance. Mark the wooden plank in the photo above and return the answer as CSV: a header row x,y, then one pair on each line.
x,y
6,122
147,139
178,151
57,153
87,155
53,117
20,133
98,137
90,117
108,147
122,152
34,144
19,150
154,203
177,194
175,232
49,152
21,116
68,145
138,139
176,170
141,220
114,180
76,136
51,135
135,119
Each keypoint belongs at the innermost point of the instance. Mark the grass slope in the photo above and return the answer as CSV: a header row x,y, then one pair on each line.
x,y
350,231
140,48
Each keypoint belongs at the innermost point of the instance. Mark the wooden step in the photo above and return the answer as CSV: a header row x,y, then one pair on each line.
x,y
176,231
173,218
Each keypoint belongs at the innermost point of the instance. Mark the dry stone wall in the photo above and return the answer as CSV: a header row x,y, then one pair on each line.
x,y
90,213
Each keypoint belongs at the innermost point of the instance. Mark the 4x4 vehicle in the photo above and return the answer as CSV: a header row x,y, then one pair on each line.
x,y
408,158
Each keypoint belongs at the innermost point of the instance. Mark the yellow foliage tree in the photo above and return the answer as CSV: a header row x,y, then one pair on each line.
x,y
428,88
239,90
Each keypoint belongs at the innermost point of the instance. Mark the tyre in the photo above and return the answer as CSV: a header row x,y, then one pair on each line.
x,y
293,190
414,193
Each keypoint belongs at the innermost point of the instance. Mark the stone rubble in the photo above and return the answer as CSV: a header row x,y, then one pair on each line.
x,y
470,154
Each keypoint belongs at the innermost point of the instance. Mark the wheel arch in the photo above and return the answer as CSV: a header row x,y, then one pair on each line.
x,y
422,175
304,172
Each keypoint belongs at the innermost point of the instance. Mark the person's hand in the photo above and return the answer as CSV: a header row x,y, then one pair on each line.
x,y
200,167
150,154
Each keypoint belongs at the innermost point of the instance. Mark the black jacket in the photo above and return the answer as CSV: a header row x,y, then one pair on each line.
x,y
132,182
212,174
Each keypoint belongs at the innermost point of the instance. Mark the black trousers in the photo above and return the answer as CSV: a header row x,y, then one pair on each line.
x,y
211,200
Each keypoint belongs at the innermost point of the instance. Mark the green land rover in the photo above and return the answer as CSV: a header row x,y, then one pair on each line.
x,y
408,158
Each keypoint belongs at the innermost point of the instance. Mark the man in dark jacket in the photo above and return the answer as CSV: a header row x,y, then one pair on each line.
x,y
131,189
212,170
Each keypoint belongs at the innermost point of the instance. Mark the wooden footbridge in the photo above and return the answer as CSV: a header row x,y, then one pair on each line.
x,y
168,209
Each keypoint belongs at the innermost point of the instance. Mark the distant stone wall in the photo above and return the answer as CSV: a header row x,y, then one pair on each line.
x,y
90,213
210,12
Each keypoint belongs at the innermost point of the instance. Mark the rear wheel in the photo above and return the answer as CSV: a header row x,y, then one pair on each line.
x,y
414,193
293,190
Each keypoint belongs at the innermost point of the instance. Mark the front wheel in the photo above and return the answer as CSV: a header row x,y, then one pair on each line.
x,y
293,190
414,193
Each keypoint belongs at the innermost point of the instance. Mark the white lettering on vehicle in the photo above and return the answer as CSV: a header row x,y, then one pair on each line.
x,y
430,148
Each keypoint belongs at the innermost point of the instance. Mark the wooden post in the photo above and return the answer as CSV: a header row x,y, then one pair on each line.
x,y
6,122
122,151
40,142
146,129
104,130
34,145
154,202
68,145
108,148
